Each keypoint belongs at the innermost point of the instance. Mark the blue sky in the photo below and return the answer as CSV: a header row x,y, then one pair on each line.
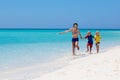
x,y
59,13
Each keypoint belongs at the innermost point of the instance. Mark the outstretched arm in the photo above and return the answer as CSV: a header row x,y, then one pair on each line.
x,y
69,30
85,37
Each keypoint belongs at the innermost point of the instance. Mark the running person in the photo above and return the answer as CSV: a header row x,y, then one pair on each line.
x,y
75,32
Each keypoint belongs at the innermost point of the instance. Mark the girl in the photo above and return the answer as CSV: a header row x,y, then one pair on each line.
x,y
97,41
75,32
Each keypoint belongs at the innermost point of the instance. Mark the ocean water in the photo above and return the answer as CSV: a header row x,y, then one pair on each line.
x,y
31,49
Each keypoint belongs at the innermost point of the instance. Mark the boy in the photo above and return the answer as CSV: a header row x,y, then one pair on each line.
x,y
75,32
97,40
90,41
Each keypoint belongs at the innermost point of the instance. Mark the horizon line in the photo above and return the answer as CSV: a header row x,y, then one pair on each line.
x,y
54,28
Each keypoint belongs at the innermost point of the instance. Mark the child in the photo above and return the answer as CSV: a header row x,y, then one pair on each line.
x,y
75,39
90,41
97,40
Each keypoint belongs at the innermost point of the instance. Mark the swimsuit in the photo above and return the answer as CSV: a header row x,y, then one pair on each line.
x,y
97,43
97,39
88,44
90,40
75,39
74,32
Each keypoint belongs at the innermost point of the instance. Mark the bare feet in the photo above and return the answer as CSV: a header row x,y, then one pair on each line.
x,y
74,54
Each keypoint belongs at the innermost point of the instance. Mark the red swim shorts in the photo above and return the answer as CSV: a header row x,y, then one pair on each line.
x,y
88,44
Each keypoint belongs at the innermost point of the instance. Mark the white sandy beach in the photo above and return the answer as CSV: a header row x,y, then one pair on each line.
x,y
102,66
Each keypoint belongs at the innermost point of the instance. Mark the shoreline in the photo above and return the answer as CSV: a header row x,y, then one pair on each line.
x,y
102,66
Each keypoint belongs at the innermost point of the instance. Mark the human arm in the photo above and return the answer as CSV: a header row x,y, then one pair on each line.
x,y
86,37
69,30
80,34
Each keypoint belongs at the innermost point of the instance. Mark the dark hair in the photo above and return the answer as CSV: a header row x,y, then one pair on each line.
x,y
75,24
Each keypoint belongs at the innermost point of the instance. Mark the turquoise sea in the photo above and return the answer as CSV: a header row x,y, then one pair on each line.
x,y
20,48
